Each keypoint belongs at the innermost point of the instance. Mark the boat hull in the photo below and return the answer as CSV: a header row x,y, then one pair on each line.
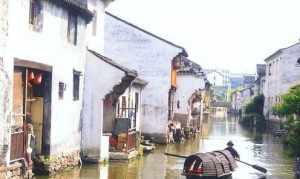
x,y
209,177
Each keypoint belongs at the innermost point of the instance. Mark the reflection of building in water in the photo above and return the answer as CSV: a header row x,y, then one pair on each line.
x,y
220,109
130,169
231,126
220,112
93,171
206,127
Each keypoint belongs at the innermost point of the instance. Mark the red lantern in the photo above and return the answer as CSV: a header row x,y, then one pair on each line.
x,y
38,79
30,76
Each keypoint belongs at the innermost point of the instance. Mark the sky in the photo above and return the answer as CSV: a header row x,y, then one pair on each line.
x,y
224,34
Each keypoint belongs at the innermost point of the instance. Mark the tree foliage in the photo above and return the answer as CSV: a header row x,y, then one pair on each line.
x,y
293,138
256,105
290,103
290,108
253,117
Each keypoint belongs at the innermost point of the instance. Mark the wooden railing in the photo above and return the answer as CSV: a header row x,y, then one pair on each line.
x,y
131,141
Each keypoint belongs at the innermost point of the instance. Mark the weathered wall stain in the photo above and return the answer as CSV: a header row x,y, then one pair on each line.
x,y
4,112
3,23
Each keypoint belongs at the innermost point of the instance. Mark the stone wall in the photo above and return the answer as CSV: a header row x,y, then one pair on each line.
x,y
15,171
56,163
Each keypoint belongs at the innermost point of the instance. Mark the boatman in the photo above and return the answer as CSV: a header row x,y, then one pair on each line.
x,y
233,152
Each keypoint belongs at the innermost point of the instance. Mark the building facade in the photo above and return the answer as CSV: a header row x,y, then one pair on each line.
x,y
189,95
103,78
152,57
282,73
100,98
125,127
240,98
43,57
220,81
261,79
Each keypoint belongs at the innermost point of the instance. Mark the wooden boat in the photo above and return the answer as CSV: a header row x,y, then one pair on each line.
x,y
280,132
147,146
212,165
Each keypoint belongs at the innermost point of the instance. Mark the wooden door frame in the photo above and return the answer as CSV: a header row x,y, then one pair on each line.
x,y
46,132
30,64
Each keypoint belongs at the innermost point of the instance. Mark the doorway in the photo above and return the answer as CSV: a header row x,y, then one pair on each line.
x,y
31,123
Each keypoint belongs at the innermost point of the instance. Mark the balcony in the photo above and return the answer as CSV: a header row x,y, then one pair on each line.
x,y
124,135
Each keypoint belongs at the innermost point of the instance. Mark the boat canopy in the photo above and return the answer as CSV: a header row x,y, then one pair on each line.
x,y
212,164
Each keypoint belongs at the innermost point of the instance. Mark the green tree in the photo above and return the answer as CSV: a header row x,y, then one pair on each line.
x,y
256,105
290,108
290,103
254,114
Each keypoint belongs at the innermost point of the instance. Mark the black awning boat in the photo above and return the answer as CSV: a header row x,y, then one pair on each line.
x,y
212,165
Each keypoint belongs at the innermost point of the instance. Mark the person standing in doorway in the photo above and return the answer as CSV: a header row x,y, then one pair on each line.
x,y
30,139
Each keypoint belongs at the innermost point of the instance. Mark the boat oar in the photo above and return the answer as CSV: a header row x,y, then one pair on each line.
x,y
174,155
259,168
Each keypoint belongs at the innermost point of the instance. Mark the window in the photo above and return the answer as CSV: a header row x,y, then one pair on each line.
x,y
76,84
123,107
36,15
136,102
123,102
61,90
178,104
270,65
118,108
298,61
95,24
72,28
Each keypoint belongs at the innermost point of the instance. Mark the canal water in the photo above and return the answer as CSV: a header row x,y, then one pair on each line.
x,y
263,150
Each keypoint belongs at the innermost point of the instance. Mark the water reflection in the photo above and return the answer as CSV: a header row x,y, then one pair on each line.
x,y
260,149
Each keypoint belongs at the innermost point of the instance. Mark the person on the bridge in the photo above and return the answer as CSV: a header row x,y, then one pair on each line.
x,y
233,152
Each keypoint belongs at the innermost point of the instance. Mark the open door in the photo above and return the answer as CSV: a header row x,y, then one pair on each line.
x,y
17,126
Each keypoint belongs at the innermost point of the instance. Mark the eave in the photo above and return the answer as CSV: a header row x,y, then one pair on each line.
x,y
77,6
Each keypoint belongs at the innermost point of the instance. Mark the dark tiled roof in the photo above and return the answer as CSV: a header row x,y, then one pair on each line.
x,y
140,81
279,52
190,67
111,62
79,6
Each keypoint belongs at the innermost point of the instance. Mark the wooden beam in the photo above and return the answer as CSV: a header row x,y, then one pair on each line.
x,y
30,64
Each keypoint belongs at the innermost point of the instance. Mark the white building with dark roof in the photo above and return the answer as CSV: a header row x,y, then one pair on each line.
x,y
42,66
191,83
152,57
282,73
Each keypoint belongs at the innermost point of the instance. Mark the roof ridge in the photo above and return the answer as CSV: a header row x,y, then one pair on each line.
x,y
113,63
147,32
280,51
